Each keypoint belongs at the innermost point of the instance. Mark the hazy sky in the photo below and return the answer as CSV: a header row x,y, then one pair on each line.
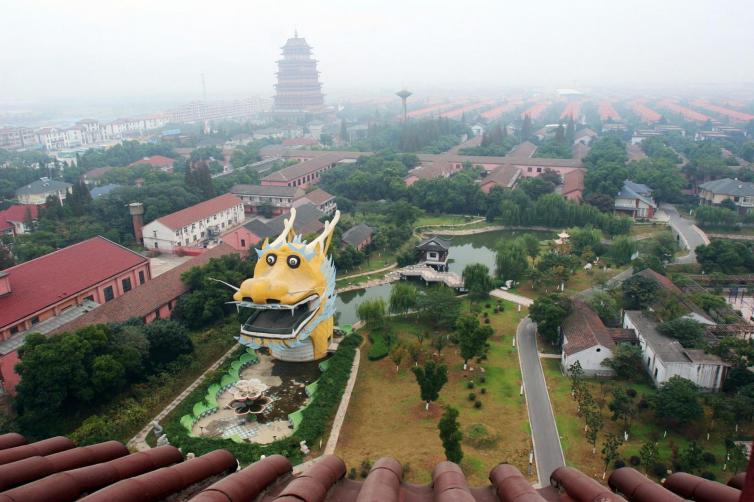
x,y
119,48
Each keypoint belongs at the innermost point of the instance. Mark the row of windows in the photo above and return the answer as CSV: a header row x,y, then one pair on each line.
x,y
109,295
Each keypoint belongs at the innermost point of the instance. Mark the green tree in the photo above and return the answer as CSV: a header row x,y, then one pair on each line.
x,y
450,435
531,243
610,450
687,331
403,297
431,379
621,250
397,353
108,375
549,312
639,292
472,337
593,419
622,408
510,260
477,280
626,361
648,455
606,306
677,402
372,313
167,341
439,306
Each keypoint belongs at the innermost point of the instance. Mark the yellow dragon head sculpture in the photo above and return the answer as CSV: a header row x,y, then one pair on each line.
x,y
292,294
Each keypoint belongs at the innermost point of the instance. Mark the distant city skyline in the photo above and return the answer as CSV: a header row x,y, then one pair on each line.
x,y
90,50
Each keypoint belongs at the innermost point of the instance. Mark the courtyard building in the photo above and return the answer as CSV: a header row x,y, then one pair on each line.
x,y
95,271
635,200
665,357
589,342
37,192
194,227
741,193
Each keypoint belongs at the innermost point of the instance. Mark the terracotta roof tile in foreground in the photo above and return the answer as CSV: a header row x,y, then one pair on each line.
x,y
162,474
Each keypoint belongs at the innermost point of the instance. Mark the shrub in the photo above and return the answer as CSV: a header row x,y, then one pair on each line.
x,y
477,404
660,470
472,396
483,390
631,393
634,460
380,347
366,466
479,436
487,305
709,457
483,379
709,475
470,384
619,463
352,473
643,403
486,320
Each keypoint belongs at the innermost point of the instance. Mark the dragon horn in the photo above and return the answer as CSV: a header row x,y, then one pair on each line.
x,y
324,238
287,229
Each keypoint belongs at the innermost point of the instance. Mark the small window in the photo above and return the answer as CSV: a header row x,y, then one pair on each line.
x,y
109,293
243,243
34,320
141,277
90,298
156,246
126,285
656,372
599,349
13,330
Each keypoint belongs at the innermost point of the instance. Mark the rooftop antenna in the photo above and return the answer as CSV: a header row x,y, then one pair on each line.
x,y
204,89
403,94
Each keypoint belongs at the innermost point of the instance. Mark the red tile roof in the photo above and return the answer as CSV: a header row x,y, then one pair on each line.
x,y
184,217
98,172
141,301
318,196
502,176
16,213
155,160
102,472
46,280
573,182
584,329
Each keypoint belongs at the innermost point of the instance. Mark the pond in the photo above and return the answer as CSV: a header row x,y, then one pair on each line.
x,y
464,250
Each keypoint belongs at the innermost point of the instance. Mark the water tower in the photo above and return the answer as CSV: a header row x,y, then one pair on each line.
x,y
137,217
404,94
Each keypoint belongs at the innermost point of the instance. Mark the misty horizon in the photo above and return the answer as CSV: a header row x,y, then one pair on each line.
x,y
91,51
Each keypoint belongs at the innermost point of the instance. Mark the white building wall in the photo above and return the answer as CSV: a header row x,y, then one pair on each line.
x,y
591,360
705,376
160,237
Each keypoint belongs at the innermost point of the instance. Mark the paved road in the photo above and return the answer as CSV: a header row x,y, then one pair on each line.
x,y
548,453
691,235
512,297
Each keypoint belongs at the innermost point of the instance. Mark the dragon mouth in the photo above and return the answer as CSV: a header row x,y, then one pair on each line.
x,y
279,321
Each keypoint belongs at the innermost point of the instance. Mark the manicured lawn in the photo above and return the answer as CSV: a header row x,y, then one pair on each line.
x,y
644,428
375,261
578,282
647,228
387,418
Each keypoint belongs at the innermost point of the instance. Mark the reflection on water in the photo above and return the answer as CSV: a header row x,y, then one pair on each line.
x,y
464,250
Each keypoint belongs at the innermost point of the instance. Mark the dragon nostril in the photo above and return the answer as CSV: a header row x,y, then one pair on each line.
x,y
247,299
271,300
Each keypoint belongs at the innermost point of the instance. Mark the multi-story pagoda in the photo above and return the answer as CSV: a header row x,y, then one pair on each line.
x,y
298,90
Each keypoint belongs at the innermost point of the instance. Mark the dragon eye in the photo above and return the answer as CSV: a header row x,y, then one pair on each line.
x,y
294,261
271,259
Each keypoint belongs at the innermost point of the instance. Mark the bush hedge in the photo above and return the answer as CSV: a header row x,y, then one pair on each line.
x,y
380,347
315,418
